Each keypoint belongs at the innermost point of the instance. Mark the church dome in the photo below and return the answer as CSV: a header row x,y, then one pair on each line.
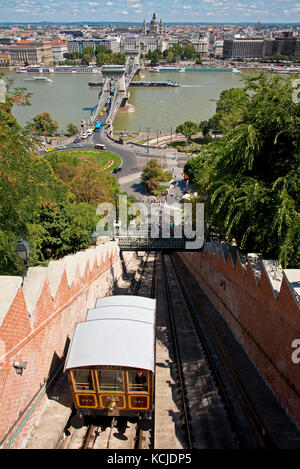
x,y
154,20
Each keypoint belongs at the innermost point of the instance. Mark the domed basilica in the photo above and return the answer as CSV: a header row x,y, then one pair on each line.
x,y
155,28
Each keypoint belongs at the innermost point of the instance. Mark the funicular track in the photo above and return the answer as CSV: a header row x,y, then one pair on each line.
x,y
207,377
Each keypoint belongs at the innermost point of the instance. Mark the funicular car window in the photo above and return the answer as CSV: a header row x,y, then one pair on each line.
x,y
138,381
110,380
83,379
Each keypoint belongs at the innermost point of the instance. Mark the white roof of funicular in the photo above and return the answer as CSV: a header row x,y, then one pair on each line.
x,y
119,331
126,300
132,313
106,342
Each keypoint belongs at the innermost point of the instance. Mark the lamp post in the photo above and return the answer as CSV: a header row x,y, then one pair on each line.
x,y
116,204
22,251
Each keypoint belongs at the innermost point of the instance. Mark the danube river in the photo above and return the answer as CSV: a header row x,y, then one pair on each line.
x,y
68,98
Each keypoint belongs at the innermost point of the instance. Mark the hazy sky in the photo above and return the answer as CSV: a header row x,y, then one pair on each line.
x,y
136,10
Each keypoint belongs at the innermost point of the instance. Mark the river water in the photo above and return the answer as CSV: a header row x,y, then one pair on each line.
x,y
68,98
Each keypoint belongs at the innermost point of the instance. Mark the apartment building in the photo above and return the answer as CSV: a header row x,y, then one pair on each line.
x,y
77,45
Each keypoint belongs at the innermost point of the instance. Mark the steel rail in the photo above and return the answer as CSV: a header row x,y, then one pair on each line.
x,y
177,353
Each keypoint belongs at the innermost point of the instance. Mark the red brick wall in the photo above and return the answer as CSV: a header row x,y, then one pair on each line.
x,y
264,324
41,340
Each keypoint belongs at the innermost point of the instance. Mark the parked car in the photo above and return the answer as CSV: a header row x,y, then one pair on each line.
x,y
61,147
89,131
78,145
84,135
76,140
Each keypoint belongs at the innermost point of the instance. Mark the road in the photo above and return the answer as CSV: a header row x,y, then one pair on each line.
x,y
133,160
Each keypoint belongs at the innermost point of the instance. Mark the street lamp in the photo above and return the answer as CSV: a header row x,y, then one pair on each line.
x,y
94,238
22,251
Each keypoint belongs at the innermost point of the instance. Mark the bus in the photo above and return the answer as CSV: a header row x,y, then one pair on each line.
x,y
98,126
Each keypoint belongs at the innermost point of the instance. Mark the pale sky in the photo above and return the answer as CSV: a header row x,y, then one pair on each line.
x,y
209,11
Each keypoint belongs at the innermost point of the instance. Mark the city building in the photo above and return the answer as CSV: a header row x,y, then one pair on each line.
x,y
285,44
29,53
111,43
243,47
77,45
58,50
4,57
155,28
218,49
143,44
201,44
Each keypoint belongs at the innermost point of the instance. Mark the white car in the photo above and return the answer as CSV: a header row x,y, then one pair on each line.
x,y
89,131
84,135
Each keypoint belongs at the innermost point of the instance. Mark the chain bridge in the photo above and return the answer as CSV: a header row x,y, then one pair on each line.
x,y
116,80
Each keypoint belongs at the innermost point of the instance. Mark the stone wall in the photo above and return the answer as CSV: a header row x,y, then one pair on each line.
x,y
260,303
37,320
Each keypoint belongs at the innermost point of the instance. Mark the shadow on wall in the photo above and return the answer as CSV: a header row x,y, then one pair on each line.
x,y
57,386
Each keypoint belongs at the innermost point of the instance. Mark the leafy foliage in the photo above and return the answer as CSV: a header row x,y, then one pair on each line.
x,y
43,202
153,174
187,129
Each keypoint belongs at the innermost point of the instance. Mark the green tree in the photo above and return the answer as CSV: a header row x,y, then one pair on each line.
x,y
188,128
198,59
88,55
153,174
43,124
34,202
230,109
189,52
249,178
102,49
154,56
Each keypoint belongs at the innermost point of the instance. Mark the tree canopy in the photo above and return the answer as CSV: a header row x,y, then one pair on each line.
x,y
188,128
249,178
153,174
40,201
